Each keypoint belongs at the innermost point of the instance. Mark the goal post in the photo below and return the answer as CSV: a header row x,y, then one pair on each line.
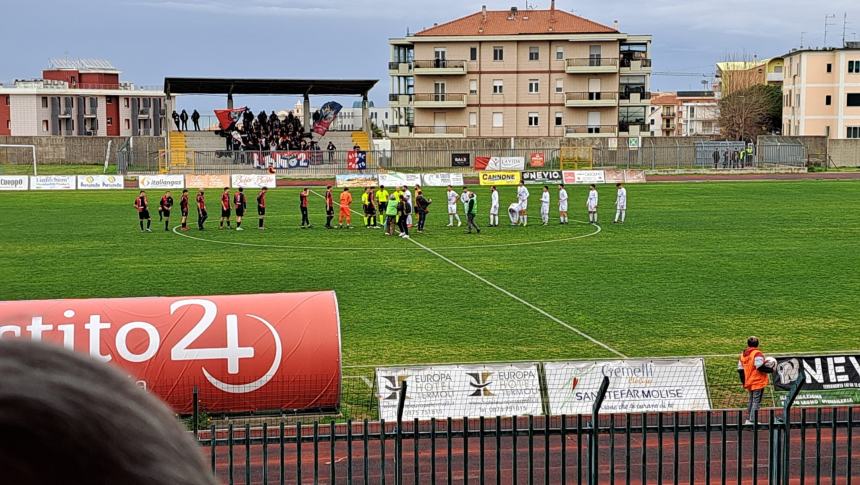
x,y
29,149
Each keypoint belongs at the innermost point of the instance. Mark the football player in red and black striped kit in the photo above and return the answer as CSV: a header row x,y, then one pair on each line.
x,y
142,206
164,207
201,210
183,207
261,206
225,208
240,203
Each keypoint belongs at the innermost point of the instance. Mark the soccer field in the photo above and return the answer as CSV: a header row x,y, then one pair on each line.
x,y
695,270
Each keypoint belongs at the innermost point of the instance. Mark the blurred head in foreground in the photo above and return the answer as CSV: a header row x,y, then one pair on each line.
x,y
66,418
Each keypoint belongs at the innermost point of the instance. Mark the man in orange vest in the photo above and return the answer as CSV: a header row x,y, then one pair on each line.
x,y
753,373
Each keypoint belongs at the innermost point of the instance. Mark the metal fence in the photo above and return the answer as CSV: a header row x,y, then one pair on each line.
x,y
787,446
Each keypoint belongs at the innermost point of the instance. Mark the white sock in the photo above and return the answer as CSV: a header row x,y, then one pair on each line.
x,y
525,220
458,218
617,214
450,219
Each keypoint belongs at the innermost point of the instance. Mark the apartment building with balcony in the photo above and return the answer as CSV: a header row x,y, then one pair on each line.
x,y
663,114
821,92
520,73
80,97
739,75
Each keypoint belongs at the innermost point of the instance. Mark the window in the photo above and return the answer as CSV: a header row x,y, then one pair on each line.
x,y
853,132
854,99
498,53
533,119
829,67
559,53
534,53
630,115
797,99
534,86
473,86
559,118
559,85
473,53
45,125
854,67
828,100
6,99
44,101
125,102
109,100
473,120
498,120
127,124
109,121
632,84
498,86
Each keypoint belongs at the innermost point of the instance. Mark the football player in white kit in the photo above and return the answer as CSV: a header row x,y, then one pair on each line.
x,y
452,207
544,205
494,207
562,204
523,200
514,213
591,204
408,196
620,204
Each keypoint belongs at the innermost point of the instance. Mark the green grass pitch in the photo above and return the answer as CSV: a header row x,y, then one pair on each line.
x,y
696,269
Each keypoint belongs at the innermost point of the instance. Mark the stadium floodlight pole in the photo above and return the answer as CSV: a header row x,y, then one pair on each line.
x,y
31,147
593,470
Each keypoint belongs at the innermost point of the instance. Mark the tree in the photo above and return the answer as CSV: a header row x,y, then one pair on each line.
x,y
377,131
747,113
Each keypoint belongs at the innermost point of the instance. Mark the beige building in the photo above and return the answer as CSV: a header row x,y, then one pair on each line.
x,y
821,93
520,73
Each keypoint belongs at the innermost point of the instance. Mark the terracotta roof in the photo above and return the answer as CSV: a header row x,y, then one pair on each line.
x,y
664,99
501,22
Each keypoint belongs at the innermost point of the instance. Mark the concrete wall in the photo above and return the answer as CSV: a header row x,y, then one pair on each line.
x,y
844,153
73,149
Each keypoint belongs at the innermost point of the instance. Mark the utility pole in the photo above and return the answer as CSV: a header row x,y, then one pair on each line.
x,y
801,39
844,26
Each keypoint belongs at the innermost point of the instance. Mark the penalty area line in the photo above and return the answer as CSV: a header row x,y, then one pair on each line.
x,y
520,300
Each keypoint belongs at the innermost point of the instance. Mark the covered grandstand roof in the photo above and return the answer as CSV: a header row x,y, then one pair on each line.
x,y
204,85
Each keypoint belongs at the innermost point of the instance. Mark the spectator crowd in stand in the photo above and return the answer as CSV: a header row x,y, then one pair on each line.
x,y
267,133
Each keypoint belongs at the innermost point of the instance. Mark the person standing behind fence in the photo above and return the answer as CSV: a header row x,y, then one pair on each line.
x,y
195,118
753,373
175,117
331,149
184,118
716,156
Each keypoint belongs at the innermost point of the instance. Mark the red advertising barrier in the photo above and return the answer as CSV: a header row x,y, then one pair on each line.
x,y
244,352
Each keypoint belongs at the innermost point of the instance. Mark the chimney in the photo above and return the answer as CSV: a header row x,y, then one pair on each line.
x,y
616,26
552,6
484,11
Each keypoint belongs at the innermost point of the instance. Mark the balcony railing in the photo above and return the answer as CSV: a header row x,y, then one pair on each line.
x,y
628,62
439,64
590,129
625,126
144,113
582,62
626,96
591,96
440,97
440,130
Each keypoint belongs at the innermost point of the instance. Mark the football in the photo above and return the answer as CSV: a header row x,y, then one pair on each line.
x,y
770,362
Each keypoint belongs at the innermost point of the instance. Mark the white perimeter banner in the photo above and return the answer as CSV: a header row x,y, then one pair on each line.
x,y
504,164
101,182
460,390
442,179
396,179
161,182
634,386
253,181
53,182
14,182
584,176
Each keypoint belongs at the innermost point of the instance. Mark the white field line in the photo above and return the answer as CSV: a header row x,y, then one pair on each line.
x,y
513,296
581,359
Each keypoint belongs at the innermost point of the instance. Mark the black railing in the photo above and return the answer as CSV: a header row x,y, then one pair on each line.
x,y
627,95
589,129
439,64
440,97
591,96
594,61
688,447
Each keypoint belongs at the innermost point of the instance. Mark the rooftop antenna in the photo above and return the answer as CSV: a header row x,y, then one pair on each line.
x,y
827,24
844,26
801,39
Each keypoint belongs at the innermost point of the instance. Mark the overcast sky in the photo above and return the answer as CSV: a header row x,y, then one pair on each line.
x,y
151,39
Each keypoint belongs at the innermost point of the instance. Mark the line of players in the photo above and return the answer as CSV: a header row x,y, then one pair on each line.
x,y
392,210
